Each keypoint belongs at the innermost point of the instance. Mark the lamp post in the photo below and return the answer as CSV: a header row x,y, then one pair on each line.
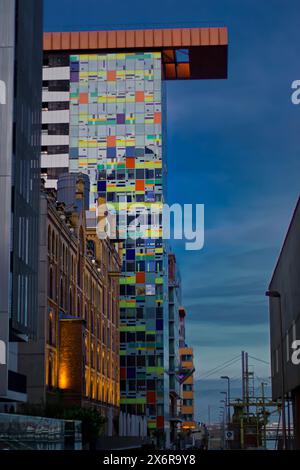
x,y
226,404
277,295
223,408
225,377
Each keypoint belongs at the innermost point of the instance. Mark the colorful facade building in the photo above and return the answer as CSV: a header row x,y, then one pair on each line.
x,y
187,378
76,352
104,115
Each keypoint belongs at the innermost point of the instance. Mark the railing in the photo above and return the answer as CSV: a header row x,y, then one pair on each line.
x,y
18,432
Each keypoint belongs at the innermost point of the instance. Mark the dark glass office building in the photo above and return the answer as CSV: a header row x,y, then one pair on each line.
x,y
20,111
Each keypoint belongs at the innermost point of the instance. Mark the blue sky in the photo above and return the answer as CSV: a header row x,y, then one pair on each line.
x,y
232,145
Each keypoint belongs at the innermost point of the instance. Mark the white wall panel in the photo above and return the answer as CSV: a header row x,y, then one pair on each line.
x,y
55,161
56,73
55,117
55,140
56,96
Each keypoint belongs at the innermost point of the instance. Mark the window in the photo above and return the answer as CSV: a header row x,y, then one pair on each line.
x,y
62,303
56,105
51,329
187,387
56,149
50,373
58,129
58,85
49,240
187,402
58,60
51,284
70,302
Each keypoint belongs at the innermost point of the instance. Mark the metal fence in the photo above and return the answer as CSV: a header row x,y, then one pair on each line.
x,y
18,432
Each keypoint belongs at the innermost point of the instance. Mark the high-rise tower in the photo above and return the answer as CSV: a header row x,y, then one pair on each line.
x,y
104,115
20,120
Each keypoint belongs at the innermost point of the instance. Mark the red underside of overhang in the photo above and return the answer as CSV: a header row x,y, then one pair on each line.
x,y
205,48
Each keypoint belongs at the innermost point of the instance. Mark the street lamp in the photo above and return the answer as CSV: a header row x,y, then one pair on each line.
x,y
276,295
226,401
225,377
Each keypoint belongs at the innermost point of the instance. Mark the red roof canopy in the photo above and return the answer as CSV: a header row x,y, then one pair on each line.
x,y
188,53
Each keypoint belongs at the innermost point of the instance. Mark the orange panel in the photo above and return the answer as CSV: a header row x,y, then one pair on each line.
x,y
102,39
158,37
130,38
149,38
195,37
204,36
214,36
93,40
170,71
176,37
169,55
130,162
140,278
65,40
223,36
186,37
139,38
157,118
56,41
160,422
111,39
75,40
121,39
183,70
111,141
83,98
151,397
83,39
140,185
167,37
139,96
47,41
111,75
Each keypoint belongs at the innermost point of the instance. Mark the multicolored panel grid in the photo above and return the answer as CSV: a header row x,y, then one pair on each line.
x,y
116,138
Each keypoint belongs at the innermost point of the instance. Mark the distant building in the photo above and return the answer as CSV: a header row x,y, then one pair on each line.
x,y
75,359
187,378
285,321
174,360
20,121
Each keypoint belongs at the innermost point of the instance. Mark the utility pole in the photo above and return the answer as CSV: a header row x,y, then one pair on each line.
x,y
264,412
247,381
243,377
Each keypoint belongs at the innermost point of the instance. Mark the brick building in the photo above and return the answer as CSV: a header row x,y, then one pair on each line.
x,y
76,354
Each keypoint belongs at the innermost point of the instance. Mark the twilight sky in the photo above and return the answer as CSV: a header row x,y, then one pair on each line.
x,y
232,145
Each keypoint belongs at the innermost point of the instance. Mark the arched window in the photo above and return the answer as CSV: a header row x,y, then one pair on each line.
x,y
50,373
51,284
50,329
53,243
63,258
71,302
78,307
80,258
92,322
49,240
62,303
